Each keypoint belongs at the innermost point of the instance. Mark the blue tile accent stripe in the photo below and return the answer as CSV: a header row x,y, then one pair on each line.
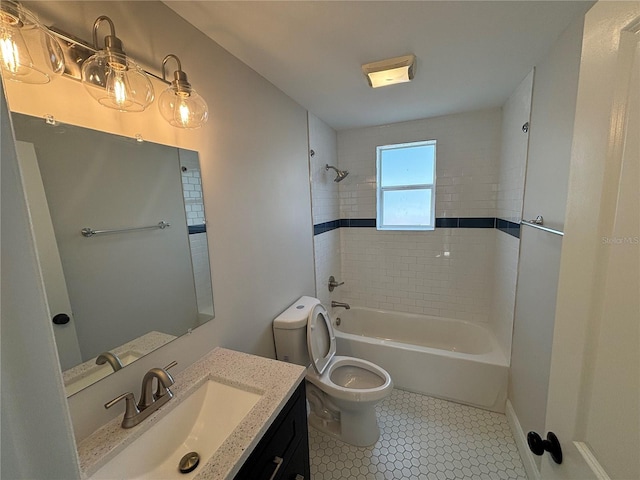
x,y
487,222
193,229
358,222
450,222
506,226
326,227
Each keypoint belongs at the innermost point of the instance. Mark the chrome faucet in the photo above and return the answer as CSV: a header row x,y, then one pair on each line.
x,y
149,401
147,397
335,304
111,358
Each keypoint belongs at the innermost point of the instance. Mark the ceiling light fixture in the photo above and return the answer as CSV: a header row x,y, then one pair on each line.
x,y
390,71
179,104
112,78
28,52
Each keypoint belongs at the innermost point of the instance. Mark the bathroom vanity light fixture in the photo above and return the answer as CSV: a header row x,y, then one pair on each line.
x,y
390,71
179,104
112,78
28,51
109,75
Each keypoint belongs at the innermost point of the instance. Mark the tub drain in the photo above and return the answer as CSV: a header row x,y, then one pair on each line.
x,y
189,462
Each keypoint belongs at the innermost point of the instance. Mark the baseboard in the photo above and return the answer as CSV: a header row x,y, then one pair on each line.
x,y
528,461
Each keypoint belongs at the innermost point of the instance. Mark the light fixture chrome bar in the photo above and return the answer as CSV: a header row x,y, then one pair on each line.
x,y
78,50
90,232
542,227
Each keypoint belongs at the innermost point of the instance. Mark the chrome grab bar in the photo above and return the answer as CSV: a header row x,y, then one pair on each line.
x,y
90,232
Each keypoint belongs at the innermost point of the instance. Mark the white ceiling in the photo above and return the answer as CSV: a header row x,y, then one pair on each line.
x,y
470,54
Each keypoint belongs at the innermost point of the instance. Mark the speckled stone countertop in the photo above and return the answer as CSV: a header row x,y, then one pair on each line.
x,y
276,381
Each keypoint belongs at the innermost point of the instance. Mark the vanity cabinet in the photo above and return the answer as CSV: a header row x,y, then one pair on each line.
x,y
283,452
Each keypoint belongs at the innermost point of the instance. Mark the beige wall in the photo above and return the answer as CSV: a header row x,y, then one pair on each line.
x,y
255,173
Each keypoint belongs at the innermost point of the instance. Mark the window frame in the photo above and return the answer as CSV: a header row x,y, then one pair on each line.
x,y
380,225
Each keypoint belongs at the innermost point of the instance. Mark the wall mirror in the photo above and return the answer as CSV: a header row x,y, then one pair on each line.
x,y
121,235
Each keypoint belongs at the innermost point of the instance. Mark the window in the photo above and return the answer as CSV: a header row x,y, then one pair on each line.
x,y
406,189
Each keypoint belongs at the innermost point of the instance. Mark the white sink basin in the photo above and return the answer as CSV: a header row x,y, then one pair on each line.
x,y
200,423
96,373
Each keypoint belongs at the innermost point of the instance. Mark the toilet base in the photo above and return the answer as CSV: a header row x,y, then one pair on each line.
x,y
352,422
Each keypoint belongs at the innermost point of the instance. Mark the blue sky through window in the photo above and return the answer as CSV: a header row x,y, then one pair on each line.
x,y
406,186
407,166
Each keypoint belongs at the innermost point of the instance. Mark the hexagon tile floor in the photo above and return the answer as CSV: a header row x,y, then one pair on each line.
x,y
423,438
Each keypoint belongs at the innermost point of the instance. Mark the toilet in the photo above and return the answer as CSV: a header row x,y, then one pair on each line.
x,y
342,391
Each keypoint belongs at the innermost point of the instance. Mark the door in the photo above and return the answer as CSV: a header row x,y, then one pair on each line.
x,y
594,388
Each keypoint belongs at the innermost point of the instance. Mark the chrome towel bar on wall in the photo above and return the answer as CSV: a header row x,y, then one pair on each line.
x,y
539,224
90,232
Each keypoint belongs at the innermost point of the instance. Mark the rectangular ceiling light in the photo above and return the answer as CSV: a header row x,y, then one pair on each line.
x,y
391,71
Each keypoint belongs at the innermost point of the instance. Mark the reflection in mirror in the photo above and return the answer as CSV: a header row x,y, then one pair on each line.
x,y
121,235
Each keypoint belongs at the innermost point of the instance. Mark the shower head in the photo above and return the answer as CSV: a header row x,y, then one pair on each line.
x,y
341,174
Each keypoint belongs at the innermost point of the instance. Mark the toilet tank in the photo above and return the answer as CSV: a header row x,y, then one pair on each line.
x,y
290,332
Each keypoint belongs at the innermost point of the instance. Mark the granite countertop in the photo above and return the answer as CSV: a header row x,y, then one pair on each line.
x,y
275,381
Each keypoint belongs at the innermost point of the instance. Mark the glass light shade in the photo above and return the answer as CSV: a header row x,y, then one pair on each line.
x,y
391,71
28,51
183,109
389,77
117,82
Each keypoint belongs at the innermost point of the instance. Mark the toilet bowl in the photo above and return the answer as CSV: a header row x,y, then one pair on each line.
x,y
342,391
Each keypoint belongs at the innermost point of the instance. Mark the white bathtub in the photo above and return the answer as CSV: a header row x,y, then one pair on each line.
x,y
452,359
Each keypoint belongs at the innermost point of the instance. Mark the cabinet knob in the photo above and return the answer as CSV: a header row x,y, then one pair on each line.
x,y
278,461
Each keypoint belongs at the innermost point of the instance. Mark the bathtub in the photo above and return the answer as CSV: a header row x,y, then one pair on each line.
x,y
446,358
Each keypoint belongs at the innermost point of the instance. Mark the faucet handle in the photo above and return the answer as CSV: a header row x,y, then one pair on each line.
x,y
131,409
333,283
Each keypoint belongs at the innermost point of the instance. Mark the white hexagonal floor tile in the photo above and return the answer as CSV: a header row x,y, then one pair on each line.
x,y
422,438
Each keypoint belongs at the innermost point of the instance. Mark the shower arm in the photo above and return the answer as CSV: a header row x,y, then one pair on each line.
x,y
341,174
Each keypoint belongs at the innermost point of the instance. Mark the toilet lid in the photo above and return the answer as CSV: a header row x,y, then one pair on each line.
x,y
321,340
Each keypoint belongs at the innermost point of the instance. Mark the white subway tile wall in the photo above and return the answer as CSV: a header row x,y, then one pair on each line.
x,y
325,206
507,249
193,200
194,208
327,252
201,274
513,163
446,272
468,152
324,191
513,158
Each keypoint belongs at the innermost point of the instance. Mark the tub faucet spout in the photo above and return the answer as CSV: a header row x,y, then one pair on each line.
x,y
335,304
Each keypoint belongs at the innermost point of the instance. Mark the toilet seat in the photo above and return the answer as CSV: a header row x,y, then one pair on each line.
x,y
325,382
373,383
321,340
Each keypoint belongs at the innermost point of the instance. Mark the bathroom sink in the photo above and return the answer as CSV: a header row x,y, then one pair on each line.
x,y
97,372
200,423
